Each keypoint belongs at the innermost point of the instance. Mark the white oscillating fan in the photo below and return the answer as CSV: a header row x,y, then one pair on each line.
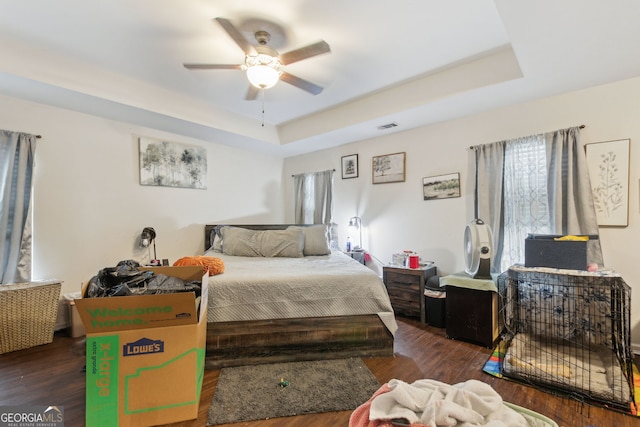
x,y
478,248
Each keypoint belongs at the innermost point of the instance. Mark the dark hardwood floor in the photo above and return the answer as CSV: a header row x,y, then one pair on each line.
x,y
52,375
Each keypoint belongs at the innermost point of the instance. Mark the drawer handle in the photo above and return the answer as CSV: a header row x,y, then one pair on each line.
x,y
404,282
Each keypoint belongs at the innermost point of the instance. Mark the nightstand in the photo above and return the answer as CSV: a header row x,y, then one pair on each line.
x,y
358,256
405,287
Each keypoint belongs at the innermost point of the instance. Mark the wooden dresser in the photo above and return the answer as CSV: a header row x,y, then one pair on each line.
x,y
405,287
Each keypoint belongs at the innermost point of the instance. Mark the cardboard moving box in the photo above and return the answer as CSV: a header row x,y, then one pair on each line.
x,y
145,355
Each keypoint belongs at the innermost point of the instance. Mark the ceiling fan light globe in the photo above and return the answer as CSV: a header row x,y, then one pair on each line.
x,y
263,76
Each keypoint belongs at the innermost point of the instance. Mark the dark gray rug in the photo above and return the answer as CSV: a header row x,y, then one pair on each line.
x,y
259,392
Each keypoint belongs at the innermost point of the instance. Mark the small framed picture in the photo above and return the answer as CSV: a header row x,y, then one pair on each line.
x,y
388,168
441,186
350,166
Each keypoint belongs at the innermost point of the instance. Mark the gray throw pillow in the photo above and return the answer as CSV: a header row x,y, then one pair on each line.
x,y
316,239
265,243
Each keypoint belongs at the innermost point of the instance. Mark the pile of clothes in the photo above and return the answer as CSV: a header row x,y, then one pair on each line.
x,y
126,278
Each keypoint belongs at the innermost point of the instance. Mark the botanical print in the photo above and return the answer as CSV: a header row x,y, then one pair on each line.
x,y
608,194
172,164
609,174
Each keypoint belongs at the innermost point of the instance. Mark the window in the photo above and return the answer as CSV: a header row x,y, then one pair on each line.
x,y
313,197
526,201
537,184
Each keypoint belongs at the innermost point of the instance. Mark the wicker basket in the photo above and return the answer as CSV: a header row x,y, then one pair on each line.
x,y
28,314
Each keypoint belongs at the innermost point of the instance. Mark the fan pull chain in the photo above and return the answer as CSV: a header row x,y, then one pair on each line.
x,y
262,90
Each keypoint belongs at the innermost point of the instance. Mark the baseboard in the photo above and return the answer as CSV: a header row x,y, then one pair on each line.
x,y
635,348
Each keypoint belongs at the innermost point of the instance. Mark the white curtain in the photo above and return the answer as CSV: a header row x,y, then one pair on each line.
x,y
313,198
537,184
17,152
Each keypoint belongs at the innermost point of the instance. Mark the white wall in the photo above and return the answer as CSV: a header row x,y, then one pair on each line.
x,y
89,208
396,218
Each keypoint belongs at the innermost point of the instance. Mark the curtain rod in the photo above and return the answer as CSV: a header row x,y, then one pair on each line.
x,y
294,174
30,134
474,146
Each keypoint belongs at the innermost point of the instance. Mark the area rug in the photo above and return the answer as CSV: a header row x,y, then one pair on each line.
x,y
493,367
261,392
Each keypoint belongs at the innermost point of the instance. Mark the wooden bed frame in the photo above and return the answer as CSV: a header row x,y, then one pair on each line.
x,y
296,339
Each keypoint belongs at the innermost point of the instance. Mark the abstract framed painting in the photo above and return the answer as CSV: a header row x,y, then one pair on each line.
x,y
172,164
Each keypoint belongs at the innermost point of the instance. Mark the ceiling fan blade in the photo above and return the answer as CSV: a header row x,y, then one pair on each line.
x,y
213,66
304,52
252,93
301,83
236,35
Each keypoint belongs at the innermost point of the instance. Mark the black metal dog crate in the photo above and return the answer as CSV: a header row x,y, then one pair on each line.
x,y
569,330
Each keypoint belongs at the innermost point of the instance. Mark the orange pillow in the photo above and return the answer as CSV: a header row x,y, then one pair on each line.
x,y
213,264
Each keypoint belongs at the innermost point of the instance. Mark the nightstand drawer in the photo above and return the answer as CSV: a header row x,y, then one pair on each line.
x,y
408,308
399,280
402,293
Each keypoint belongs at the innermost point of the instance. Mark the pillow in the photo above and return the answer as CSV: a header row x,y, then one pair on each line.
x,y
266,243
316,239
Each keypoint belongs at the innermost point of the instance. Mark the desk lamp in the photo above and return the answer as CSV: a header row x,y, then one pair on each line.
x,y
355,223
147,237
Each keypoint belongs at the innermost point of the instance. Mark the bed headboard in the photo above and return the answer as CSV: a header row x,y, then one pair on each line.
x,y
208,228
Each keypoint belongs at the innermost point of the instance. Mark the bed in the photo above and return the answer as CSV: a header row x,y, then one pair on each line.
x,y
286,296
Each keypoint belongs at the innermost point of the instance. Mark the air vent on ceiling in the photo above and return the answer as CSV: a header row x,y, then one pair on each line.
x,y
387,126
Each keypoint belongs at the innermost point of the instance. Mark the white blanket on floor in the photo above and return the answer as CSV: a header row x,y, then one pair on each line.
x,y
433,403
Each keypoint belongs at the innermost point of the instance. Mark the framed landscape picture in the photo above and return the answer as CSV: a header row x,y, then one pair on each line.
x,y
441,186
388,168
350,166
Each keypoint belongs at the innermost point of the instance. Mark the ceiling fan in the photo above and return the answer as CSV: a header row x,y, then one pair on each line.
x,y
264,65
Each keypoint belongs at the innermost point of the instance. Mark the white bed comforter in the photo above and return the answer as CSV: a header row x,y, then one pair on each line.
x,y
257,288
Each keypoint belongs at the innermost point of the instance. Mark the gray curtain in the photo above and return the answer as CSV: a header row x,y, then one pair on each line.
x,y
489,192
562,204
572,209
569,187
17,152
313,197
